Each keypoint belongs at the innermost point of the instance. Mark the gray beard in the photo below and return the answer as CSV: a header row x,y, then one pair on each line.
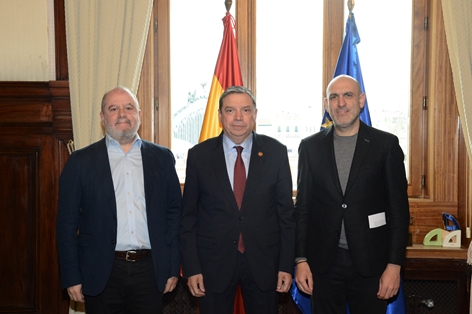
x,y
122,137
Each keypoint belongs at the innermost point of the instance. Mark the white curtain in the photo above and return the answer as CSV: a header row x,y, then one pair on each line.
x,y
458,25
106,40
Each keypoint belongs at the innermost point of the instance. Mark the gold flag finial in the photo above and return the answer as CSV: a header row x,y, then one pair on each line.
x,y
228,4
350,5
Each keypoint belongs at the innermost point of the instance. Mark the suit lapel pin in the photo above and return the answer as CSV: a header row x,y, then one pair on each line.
x,y
260,154
368,141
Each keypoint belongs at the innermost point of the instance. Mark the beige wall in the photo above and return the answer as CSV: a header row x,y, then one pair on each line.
x,y
25,45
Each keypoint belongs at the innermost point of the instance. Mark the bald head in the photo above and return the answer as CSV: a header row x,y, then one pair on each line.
x,y
343,77
119,90
344,101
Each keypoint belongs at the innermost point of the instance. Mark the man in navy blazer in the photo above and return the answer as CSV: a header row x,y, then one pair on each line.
x,y
352,209
118,217
213,226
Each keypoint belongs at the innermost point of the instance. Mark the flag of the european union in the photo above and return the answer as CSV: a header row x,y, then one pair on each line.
x,y
349,64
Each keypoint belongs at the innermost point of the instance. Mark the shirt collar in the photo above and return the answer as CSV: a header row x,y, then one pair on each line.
x,y
228,144
111,142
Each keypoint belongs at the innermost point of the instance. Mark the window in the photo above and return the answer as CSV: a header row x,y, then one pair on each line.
x,y
289,77
196,31
254,68
385,57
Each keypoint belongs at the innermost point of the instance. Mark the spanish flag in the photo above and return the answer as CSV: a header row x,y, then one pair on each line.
x,y
227,73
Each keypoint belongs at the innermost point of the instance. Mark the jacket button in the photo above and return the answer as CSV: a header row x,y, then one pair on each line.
x,y
241,218
235,242
344,206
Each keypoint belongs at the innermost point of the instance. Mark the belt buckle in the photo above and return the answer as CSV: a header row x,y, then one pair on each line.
x,y
127,256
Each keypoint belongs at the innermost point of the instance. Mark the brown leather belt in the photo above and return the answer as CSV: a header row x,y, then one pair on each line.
x,y
132,256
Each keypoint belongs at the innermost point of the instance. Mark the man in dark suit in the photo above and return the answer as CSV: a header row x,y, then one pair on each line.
x,y
352,210
225,244
118,218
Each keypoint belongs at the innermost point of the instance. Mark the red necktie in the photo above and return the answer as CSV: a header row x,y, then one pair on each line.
x,y
239,185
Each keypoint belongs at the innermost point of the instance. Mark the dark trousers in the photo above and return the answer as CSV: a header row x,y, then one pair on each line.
x,y
255,300
131,289
343,283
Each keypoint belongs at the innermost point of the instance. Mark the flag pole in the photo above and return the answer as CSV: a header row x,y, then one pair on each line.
x,y
227,73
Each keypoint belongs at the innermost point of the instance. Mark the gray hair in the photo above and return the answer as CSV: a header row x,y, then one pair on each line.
x,y
237,90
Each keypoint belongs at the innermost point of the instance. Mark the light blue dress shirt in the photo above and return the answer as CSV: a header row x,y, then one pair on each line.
x,y
128,182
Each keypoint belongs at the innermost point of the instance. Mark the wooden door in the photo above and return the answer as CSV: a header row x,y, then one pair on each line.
x,y
32,154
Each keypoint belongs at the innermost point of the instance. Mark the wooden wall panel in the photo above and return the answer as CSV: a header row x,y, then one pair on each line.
x,y
426,216
62,67
18,228
20,112
32,155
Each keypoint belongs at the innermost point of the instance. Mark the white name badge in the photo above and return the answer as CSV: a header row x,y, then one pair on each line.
x,y
377,220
